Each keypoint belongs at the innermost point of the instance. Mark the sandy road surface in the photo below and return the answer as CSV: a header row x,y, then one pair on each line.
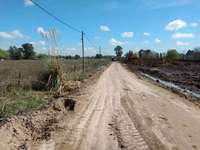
x,y
124,112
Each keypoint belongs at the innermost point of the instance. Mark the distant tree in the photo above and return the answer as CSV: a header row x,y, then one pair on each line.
x,y
77,57
172,54
197,49
15,53
193,54
28,51
118,50
98,56
42,56
130,56
68,57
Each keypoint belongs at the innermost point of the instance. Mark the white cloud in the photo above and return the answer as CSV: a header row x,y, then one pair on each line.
x,y
146,34
127,34
157,40
179,43
194,24
16,34
175,25
89,48
39,43
28,3
159,4
104,28
182,35
115,42
71,49
146,42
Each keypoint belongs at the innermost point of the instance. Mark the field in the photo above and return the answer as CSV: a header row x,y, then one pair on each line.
x,y
182,73
17,78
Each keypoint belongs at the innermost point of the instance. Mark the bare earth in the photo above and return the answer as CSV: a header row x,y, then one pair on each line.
x,y
121,111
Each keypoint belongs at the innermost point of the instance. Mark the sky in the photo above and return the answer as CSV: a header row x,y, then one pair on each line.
x,y
133,24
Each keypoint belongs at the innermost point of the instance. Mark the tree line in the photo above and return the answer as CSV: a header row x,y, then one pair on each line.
x,y
26,51
172,54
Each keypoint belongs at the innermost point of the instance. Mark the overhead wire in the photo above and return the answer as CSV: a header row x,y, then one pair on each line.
x,y
63,22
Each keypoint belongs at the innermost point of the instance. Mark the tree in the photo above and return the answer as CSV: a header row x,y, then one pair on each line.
x,y
15,53
28,51
42,56
118,50
172,54
98,56
129,56
68,57
77,57
197,49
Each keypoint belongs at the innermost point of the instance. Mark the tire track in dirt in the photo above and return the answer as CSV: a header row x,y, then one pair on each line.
x,y
125,113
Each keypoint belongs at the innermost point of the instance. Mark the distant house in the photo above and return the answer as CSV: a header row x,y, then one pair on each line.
x,y
193,55
148,54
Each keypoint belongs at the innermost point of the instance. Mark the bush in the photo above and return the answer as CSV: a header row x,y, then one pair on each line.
x,y
47,78
172,54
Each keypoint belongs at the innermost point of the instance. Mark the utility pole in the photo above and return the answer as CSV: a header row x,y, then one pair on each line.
x,y
100,50
83,52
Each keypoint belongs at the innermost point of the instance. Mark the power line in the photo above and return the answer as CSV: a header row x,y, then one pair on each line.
x,y
55,17
69,26
62,22
91,42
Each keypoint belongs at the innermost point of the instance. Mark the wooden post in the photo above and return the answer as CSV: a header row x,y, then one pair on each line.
x,y
83,52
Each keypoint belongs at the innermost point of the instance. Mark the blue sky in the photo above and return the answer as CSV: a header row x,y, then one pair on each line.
x,y
133,24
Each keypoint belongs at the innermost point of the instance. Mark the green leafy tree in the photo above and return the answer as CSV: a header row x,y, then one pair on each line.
x,y
98,56
172,54
28,51
118,50
77,57
42,56
15,53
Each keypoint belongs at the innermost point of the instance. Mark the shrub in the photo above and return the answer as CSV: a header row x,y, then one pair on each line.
x,y
47,78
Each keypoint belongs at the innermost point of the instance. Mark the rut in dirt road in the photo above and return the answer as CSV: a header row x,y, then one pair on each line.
x,y
128,113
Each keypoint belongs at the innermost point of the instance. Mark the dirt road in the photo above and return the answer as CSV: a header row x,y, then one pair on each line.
x,y
125,112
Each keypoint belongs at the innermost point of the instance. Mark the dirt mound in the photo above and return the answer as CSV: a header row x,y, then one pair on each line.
x,y
22,131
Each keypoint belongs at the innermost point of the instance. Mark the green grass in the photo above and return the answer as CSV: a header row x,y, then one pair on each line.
x,y
20,100
3,54
15,97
